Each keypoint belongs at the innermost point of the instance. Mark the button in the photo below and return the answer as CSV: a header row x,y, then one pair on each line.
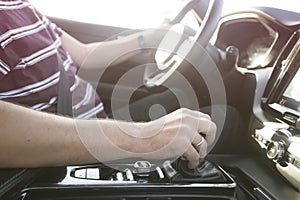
x,y
129,175
142,164
160,173
298,123
142,167
120,176
80,173
92,173
297,163
290,159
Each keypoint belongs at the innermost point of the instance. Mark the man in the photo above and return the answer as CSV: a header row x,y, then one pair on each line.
x,y
29,74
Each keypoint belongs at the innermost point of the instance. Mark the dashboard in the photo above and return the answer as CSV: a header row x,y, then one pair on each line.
x,y
255,46
269,53
280,135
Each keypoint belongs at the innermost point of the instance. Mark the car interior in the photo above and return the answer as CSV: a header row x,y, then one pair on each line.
x,y
247,61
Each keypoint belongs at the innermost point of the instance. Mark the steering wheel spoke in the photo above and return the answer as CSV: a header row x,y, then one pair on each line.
x,y
169,44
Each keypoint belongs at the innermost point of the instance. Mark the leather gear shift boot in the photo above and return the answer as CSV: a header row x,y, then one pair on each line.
x,y
206,172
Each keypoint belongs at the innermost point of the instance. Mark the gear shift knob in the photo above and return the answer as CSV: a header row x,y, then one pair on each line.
x,y
206,172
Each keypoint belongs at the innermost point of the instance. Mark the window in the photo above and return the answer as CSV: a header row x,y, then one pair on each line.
x,y
138,13
122,13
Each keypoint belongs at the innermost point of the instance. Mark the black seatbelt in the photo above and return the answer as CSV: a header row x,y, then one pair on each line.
x,y
64,97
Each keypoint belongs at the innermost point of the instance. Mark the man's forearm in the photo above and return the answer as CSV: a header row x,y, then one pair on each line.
x,y
101,54
31,139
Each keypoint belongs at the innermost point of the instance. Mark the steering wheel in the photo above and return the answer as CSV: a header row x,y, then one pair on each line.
x,y
176,46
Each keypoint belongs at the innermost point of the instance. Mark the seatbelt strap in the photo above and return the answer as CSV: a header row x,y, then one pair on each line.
x,y
64,97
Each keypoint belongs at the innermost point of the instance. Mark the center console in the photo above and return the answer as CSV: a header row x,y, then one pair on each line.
x,y
139,180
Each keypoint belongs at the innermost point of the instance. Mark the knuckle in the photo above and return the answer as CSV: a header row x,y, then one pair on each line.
x,y
213,126
184,109
206,116
185,112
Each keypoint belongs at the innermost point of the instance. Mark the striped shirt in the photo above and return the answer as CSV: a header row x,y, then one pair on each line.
x,y
29,69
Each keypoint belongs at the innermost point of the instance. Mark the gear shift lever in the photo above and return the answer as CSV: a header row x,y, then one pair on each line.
x,y
206,172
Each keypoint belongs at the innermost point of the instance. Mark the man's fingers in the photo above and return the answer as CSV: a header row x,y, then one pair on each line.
x,y
193,157
199,129
197,114
202,150
200,145
208,129
198,140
